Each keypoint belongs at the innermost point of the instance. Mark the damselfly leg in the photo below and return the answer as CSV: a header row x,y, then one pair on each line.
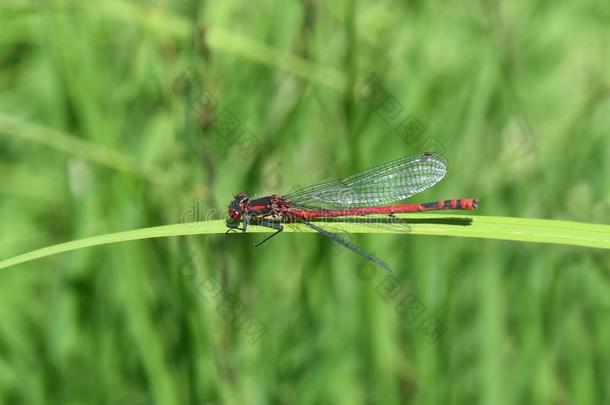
x,y
269,224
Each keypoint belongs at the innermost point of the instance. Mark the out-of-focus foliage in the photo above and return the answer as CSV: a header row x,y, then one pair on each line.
x,y
118,115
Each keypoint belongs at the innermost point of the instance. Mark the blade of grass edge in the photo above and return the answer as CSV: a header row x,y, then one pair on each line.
x,y
503,228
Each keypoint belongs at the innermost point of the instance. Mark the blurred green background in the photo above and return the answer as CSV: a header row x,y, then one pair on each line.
x,y
103,129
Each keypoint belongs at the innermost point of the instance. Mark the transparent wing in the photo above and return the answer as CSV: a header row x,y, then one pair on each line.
x,y
385,184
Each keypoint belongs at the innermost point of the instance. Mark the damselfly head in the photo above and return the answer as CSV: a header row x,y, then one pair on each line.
x,y
237,206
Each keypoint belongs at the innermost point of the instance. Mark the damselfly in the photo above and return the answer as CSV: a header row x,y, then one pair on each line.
x,y
366,193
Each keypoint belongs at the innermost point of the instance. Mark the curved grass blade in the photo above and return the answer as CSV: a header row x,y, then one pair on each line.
x,y
504,228
70,144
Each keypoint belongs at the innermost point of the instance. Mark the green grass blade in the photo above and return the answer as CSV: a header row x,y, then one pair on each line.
x,y
505,228
225,40
67,143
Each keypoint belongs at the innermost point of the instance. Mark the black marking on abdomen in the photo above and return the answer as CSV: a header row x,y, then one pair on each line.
x,y
430,205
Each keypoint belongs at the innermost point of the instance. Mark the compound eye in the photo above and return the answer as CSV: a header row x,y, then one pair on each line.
x,y
234,214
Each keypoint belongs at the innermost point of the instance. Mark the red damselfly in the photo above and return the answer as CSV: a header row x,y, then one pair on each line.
x,y
366,193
